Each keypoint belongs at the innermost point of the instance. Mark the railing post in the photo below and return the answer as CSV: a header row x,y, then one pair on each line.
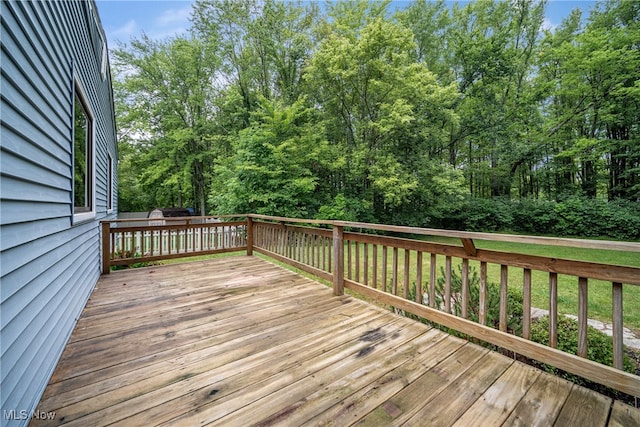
x,y
249,236
618,344
338,260
106,247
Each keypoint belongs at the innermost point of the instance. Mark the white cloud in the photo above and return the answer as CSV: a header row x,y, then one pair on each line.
x,y
174,17
170,23
125,31
548,25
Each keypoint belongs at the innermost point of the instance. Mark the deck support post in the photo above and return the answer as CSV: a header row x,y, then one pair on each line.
x,y
106,247
249,236
338,260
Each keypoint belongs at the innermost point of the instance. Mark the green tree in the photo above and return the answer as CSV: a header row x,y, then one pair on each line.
x,y
264,46
382,108
167,106
272,170
592,102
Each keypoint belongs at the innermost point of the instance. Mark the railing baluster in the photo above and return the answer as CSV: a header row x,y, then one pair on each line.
x,y
447,285
406,273
191,231
465,287
384,268
106,247
310,251
113,245
338,248
432,281
526,303
553,310
294,245
482,317
374,254
419,277
365,279
326,254
330,264
394,272
286,248
618,345
305,248
273,238
504,278
357,276
282,241
583,304
349,259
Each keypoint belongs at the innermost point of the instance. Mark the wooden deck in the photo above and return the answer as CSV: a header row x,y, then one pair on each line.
x,y
239,341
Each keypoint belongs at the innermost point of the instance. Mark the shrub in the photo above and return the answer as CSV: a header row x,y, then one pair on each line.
x,y
514,300
599,349
576,215
487,215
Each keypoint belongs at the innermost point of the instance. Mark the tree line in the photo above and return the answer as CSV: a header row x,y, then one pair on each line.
x,y
368,111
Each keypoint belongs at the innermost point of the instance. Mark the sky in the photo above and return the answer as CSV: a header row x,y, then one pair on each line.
x,y
159,19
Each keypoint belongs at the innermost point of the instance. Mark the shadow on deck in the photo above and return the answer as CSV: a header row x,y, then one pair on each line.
x,y
239,341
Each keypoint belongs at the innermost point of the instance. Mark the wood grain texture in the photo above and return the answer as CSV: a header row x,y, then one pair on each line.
x,y
241,341
584,407
623,415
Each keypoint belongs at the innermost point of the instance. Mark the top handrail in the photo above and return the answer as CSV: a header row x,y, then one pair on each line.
x,y
173,218
463,235
512,238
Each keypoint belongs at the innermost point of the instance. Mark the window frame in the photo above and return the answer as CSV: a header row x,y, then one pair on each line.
x,y
83,213
110,186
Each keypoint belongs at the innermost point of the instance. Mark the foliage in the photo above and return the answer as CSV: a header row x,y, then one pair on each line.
x,y
574,216
165,113
514,300
473,116
130,254
271,171
599,348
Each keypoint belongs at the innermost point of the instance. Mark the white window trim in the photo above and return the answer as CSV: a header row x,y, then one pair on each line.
x,y
84,216
103,59
110,187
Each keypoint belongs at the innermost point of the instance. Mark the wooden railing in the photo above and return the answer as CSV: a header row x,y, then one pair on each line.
x,y
133,241
404,273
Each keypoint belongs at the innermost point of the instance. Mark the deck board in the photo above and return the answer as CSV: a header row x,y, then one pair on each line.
x,y
241,341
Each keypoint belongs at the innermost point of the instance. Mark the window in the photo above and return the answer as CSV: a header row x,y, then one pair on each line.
x,y
82,155
101,48
109,182
104,59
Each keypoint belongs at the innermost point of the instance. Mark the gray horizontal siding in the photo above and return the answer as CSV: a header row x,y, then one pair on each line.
x,y
13,236
27,169
52,158
49,265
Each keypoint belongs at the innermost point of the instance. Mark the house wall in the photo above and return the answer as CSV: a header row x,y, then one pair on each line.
x,y
49,261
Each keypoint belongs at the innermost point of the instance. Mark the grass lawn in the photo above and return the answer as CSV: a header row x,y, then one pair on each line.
x,y
599,291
